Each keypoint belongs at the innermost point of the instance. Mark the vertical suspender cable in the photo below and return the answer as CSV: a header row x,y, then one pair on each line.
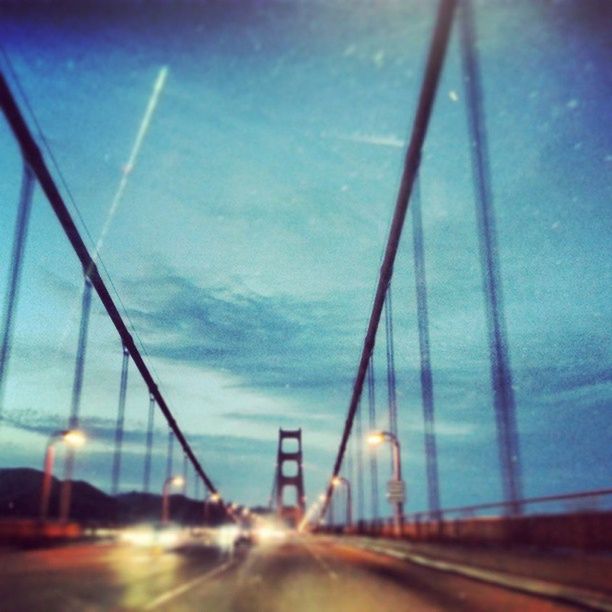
x,y
169,459
272,501
359,448
350,468
146,479
372,425
120,422
276,489
391,386
75,407
185,466
12,290
196,488
501,377
427,398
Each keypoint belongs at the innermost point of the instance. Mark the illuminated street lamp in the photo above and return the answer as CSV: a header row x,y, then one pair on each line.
x,y
376,438
341,480
71,437
396,486
177,481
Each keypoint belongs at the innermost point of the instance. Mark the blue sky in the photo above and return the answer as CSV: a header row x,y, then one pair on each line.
x,y
247,243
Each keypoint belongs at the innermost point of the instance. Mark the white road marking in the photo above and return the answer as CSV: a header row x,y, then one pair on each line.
x,y
245,570
320,561
183,588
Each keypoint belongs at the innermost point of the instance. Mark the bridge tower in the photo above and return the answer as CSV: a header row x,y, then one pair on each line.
x,y
289,473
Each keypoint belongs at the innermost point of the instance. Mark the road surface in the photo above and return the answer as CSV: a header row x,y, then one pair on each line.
x,y
296,575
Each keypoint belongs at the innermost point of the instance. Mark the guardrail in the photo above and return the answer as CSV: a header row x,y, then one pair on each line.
x,y
584,528
471,511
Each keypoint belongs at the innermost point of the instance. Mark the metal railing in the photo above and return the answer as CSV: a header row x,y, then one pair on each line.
x,y
586,527
484,511
477,509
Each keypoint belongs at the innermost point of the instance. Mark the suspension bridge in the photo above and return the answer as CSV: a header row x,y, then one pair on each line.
x,y
359,543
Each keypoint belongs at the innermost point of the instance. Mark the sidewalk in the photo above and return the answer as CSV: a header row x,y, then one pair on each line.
x,y
584,578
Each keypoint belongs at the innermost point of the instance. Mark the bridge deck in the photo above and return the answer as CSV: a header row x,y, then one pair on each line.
x,y
298,574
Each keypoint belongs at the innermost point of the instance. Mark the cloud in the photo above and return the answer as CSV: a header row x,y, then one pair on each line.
x,y
267,341
557,381
98,429
57,283
102,430
275,419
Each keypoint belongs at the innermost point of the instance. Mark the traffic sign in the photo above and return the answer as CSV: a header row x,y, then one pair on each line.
x,y
396,491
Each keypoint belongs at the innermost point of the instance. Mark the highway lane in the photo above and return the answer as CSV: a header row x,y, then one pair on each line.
x,y
299,574
96,576
319,575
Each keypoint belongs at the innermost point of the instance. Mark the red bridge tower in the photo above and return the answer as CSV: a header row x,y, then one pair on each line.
x,y
289,474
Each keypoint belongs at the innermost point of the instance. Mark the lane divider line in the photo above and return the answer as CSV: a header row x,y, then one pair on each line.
x,y
326,567
183,588
532,586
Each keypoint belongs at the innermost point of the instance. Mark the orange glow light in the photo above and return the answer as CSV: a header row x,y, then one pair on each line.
x,y
375,438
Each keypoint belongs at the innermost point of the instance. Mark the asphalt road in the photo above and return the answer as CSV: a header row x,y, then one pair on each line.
x,y
295,575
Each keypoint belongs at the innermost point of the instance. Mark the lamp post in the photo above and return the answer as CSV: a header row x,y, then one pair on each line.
x,y
214,498
341,480
70,437
396,486
177,481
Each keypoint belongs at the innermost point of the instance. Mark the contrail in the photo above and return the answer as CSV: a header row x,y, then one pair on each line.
x,y
127,169
116,201
374,139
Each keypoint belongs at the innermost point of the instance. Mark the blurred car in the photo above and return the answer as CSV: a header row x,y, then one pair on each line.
x,y
155,535
245,537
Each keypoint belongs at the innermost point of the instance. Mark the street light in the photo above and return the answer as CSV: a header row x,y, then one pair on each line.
x,y
396,494
71,437
341,480
177,481
377,437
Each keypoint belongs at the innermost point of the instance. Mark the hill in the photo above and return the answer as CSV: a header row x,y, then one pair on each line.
x,y
20,498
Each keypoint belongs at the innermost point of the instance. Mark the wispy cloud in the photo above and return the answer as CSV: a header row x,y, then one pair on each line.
x,y
102,431
275,418
267,341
